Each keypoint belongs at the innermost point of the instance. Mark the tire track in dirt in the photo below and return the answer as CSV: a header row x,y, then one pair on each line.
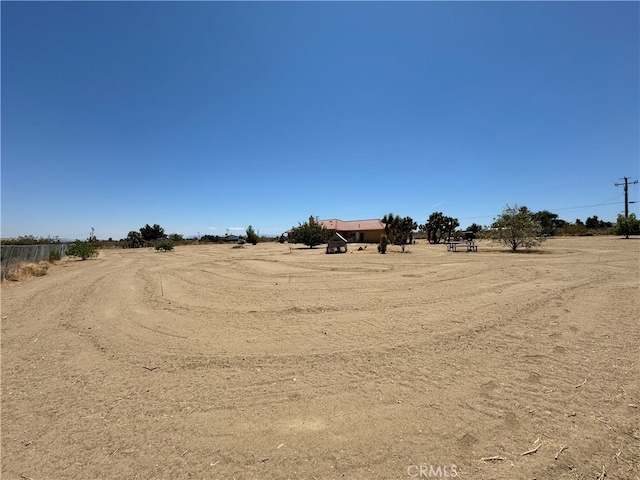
x,y
349,373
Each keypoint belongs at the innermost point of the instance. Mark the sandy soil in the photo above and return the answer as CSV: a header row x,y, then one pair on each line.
x,y
274,363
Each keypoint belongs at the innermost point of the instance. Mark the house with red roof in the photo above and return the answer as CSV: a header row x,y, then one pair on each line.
x,y
360,231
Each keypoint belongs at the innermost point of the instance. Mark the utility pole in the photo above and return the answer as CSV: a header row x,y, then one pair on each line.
x,y
626,199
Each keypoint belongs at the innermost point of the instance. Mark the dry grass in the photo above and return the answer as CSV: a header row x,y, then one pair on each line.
x,y
22,271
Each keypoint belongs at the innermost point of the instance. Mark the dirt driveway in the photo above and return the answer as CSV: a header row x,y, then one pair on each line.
x,y
277,363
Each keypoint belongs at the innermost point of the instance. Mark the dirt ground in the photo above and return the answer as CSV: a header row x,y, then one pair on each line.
x,y
274,362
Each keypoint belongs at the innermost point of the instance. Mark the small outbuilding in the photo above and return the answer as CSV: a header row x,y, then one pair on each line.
x,y
336,244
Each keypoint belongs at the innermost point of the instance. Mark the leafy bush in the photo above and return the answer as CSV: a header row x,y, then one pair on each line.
x,y
627,225
82,249
165,246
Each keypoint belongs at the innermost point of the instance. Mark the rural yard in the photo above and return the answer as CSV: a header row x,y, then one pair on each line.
x,y
279,362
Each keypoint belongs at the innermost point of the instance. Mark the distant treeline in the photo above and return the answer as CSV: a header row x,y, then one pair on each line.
x,y
31,240
148,236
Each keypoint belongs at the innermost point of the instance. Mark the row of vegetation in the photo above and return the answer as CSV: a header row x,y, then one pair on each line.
x,y
513,223
516,227
155,236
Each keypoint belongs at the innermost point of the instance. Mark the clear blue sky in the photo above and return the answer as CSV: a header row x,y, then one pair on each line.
x,y
208,116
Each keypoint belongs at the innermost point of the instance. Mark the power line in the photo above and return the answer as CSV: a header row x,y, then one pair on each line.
x,y
587,206
626,194
554,209
626,198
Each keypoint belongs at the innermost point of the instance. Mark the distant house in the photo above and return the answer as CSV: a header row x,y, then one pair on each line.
x,y
359,231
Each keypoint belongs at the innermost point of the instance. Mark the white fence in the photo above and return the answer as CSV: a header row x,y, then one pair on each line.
x,y
16,254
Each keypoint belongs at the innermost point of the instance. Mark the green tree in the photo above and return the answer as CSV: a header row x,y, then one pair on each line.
x,y
252,236
389,220
403,231
152,233
82,249
627,225
134,239
398,230
474,228
516,227
594,223
548,221
439,226
310,233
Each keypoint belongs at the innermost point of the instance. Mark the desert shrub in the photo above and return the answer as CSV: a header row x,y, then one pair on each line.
x,y
627,225
82,249
54,257
384,242
574,229
164,246
516,227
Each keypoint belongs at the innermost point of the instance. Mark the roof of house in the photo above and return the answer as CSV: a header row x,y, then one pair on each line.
x,y
352,225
